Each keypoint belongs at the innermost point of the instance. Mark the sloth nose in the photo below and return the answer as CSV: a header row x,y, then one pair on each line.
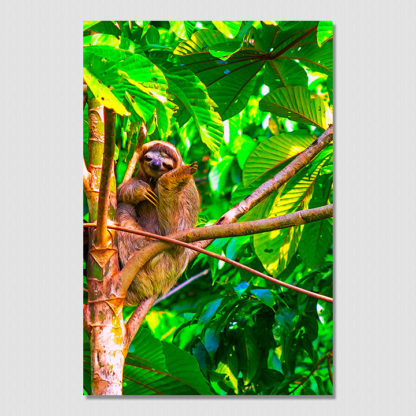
x,y
155,164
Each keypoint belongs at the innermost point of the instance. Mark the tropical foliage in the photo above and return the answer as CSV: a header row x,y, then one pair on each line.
x,y
243,99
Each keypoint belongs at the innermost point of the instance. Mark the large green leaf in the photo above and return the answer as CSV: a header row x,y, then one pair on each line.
x,y
283,73
276,248
208,42
226,70
156,367
249,355
316,58
324,32
134,80
190,95
317,236
228,28
298,104
104,94
274,151
182,29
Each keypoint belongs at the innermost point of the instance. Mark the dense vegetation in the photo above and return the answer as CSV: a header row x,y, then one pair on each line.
x,y
243,99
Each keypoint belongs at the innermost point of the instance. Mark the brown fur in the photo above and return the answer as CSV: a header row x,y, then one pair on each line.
x,y
176,210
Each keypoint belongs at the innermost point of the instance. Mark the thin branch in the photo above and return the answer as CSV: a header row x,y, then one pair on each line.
x,y
182,285
318,364
108,159
329,369
217,231
137,317
134,159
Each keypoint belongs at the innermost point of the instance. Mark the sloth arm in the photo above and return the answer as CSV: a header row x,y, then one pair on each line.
x,y
133,191
178,199
130,194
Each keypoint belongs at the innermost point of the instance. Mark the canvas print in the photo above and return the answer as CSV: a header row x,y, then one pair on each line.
x,y
208,206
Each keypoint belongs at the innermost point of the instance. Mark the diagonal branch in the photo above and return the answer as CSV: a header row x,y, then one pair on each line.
x,y
182,285
137,317
124,278
268,187
108,159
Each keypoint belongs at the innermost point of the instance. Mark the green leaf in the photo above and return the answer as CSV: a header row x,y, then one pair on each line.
x,y
273,152
99,39
155,367
145,75
276,248
208,41
229,29
298,104
104,94
219,174
283,73
265,295
316,58
191,96
182,29
249,355
230,79
89,23
317,236
324,32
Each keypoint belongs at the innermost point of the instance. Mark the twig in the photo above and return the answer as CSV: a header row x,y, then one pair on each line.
x,y
327,356
137,317
104,198
182,285
133,161
329,370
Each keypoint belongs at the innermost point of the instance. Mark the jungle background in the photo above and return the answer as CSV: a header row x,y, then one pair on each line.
x,y
243,99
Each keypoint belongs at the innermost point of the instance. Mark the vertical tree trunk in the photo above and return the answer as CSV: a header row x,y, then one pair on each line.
x,y
104,312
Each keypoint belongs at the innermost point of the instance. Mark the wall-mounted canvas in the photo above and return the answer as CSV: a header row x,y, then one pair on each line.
x,y
208,205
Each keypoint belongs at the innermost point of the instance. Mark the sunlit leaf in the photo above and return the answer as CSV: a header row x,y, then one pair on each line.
x,y
182,29
190,94
276,248
297,104
317,236
324,32
89,23
316,58
274,151
229,29
104,94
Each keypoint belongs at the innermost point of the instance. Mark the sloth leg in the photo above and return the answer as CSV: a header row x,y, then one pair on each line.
x,y
128,243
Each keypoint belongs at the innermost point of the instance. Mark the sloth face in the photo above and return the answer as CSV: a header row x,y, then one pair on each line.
x,y
156,163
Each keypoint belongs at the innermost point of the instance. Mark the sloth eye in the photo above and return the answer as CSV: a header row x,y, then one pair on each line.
x,y
148,158
168,167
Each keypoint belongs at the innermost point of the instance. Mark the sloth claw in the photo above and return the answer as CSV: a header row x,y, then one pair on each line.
x,y
193,167
151,197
